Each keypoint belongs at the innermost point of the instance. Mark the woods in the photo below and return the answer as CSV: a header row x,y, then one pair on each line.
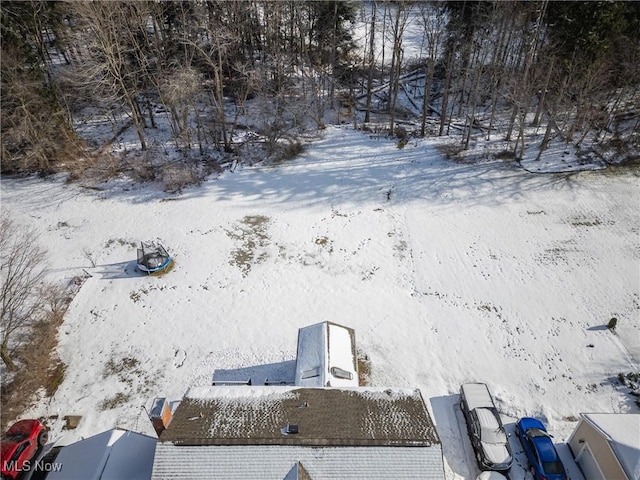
x,y
232,75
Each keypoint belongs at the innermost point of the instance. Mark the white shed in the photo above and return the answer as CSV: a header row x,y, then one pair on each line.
x,y
326,356
607,446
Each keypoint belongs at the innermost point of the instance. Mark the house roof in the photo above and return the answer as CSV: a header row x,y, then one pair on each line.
x,y
622,431
283,462
112,455
326,356
359,416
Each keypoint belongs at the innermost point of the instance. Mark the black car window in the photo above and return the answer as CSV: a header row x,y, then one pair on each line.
x,y
21,448
535,453
474,423
533,449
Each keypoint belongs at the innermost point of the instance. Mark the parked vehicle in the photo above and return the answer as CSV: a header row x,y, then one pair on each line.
x,y
491,475
19,446
489,440
538,446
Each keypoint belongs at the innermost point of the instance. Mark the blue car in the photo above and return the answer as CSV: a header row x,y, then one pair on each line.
x,y
538,446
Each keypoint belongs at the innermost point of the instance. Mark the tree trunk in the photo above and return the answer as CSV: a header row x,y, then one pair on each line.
x,y
334,57
445,93
393,80
367,112
137,122
6,356
428,82
551,119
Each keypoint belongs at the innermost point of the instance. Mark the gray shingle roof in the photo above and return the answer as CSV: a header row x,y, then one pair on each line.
x,y
324,416
270,462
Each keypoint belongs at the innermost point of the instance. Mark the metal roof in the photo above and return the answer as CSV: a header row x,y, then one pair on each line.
x,y
112,455
269,462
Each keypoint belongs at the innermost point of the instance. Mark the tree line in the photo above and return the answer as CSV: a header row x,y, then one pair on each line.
x,y
278,68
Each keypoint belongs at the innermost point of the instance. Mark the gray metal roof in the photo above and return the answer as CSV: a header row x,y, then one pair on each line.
x,y
112,455
270,462
357,416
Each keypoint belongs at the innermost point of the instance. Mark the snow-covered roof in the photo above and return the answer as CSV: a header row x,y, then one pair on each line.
x,y
240,415
285,461
112,455
326,356
477,395
623,434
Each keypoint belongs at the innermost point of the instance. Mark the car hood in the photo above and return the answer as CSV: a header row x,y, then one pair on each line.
x,y
496,453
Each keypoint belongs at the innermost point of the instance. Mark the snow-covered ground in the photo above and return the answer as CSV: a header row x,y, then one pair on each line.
x,y
448,273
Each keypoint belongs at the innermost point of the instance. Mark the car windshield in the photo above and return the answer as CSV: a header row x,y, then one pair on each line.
x,y
536,432
493,435
553,467
14,436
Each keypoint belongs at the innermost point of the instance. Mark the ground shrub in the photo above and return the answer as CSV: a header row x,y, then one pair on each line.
x,y
364,369
451,151
504,155
114,402
287,151
177,176
55,378
631,380
39,369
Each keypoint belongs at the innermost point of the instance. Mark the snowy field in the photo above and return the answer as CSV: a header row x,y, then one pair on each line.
x,y
448,273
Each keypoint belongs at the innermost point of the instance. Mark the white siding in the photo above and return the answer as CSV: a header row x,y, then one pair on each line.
x,y
311,358
340,355
320,348
588,464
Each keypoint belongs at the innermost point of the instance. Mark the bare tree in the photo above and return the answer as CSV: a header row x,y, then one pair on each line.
x,y
371,62
525,90
37,132
433,20
21,276
116,62
402,14
179,89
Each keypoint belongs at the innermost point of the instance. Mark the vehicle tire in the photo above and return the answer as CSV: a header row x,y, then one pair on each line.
x,y
43,438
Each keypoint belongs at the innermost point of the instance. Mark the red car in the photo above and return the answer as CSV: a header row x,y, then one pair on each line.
x,y
20,444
